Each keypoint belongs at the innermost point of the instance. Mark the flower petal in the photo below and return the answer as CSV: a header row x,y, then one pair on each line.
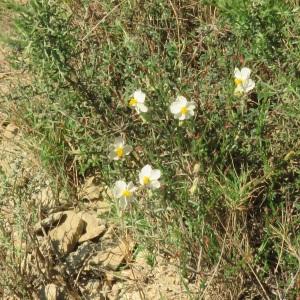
x,y
139,96
112,155
182,100
118,188
141,179
121,184
131,187
238,91
146,171
155,174
250,85
119,141
190,113
155,184
141,107
237,73
182,117
191,105
127,149
245,73
175,107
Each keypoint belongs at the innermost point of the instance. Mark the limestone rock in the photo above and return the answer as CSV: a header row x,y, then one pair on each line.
x,y
90,190
76,259
92,290
112,258
65,236
50,221
93,228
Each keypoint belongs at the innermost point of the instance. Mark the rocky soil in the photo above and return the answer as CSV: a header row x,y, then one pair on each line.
x,y
72,253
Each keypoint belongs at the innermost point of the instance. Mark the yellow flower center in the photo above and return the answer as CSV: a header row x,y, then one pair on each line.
x,y
146,180
183,110
238,81
126,193
132,102
119,151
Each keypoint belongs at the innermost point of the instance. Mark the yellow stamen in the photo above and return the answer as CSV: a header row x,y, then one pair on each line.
x,y
146,180
119,152
126,193
183,110
238,81
132,102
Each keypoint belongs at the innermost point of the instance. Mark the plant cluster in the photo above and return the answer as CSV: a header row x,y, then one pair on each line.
x,y
229,194
182,110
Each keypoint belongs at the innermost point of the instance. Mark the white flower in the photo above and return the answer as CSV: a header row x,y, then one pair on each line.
x,y
138,102
243,82
124,192
119,149
182,109
148,177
